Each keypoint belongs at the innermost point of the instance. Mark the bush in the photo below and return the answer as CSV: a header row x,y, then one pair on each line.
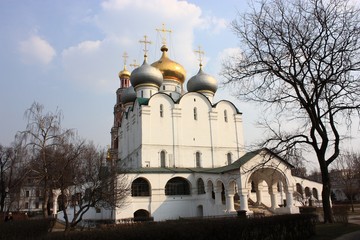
x,y
289,227
26,229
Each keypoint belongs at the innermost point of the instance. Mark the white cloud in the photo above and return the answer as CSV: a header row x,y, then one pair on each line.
x,y
36,50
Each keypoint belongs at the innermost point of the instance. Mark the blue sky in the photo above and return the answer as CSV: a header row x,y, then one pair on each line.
x,y
67,54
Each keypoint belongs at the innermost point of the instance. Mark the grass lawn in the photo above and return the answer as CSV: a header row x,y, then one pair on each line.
x,y
332,231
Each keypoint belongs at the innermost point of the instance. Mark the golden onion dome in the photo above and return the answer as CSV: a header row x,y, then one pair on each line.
x,y
124,73
169,69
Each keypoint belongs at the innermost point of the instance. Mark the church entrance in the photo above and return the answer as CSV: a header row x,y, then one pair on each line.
x,y
200,211
141,215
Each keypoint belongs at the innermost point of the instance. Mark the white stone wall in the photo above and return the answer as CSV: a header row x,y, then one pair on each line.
x,y
146,131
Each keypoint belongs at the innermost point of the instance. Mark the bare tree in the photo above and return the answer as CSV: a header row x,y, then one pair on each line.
x,y
13,171
86,181
42,136
346,175
300,59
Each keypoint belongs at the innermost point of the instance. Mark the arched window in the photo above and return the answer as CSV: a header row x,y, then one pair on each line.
x,y
229,158
225,116
307,192
315,193
198,159
140,187
195,113
162,158
177,186
200,186
299,188
161,110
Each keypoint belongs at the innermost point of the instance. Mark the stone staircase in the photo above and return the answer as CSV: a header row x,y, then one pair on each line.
x,y
261,209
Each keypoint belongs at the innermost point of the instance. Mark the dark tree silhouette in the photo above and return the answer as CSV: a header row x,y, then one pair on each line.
x,y
300,58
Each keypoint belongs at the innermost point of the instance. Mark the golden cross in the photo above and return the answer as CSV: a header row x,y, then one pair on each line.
x,y
145,42
201,53
134,65
164,31
125,56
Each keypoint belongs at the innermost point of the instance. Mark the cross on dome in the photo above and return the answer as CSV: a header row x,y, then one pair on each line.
x,y
145,42
201,54
163,30
125,56
134,64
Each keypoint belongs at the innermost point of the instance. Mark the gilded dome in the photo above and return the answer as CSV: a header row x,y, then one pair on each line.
x,y
169,68
128,95
202,82
124,73
146,75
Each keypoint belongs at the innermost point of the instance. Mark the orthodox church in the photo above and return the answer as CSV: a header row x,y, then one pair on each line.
x,y
184,154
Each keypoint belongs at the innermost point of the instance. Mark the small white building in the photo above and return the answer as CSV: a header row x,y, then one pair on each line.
x,y
184,154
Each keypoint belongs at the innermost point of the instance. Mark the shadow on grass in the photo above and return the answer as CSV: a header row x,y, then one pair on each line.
x,y
332,231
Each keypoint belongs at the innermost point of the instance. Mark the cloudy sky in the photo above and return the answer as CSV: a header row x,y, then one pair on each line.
x,y
67,54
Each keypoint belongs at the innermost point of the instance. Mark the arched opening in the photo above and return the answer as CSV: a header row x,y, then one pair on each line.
x,y
299,189
141,215
200,186
229,158
140,187
307,192
315,193
198,159
162,158
200,211
177,186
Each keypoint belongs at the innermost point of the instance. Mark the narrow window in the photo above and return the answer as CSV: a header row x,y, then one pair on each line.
x,y
162,158
225,116
229,160
27,194
198,159
161,110
200,186
195,113
142,93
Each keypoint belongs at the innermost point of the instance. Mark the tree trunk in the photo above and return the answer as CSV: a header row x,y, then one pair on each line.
x,y
45,203
326,193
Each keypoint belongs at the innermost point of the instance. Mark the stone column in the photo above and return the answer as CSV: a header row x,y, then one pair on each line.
x,y
258,189
217,191
289,199
56,194
230,201
244,200
273,198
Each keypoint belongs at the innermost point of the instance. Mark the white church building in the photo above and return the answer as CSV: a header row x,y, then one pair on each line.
x,y
184,153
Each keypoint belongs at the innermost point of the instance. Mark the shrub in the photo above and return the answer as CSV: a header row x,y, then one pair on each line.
x,y
26,229
289,227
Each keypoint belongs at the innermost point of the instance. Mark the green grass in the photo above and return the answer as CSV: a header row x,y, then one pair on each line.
x,y
332,231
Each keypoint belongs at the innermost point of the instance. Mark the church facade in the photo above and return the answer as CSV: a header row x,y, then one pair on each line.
x,y
184,154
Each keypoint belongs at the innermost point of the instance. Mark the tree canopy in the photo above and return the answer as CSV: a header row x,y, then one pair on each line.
x,y
300,58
